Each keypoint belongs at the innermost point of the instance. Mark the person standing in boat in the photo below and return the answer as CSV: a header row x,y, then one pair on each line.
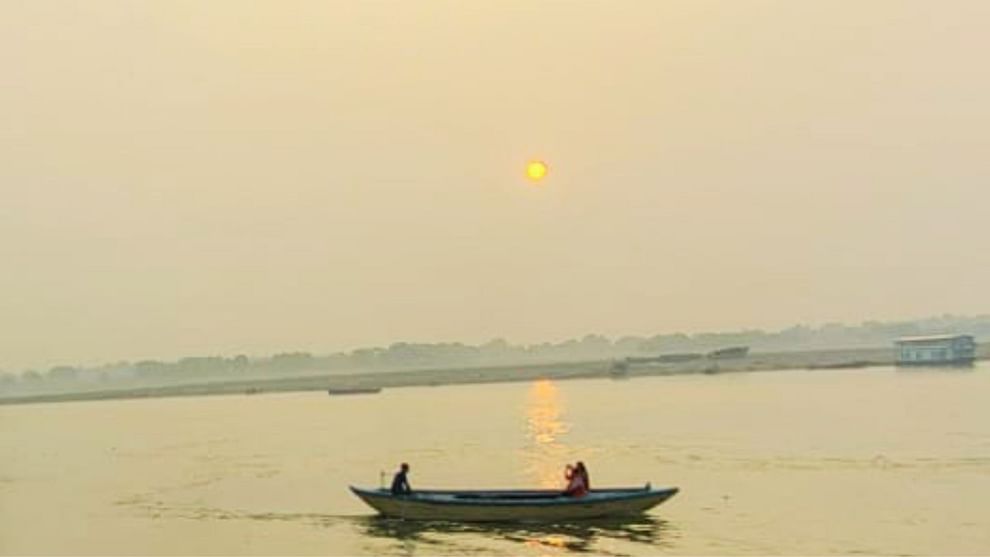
x,y
576,477
400,482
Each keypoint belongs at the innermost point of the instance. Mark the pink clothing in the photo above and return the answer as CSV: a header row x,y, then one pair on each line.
x,y
576,485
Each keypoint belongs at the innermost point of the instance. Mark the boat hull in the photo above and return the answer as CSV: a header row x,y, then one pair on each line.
x,y
512,506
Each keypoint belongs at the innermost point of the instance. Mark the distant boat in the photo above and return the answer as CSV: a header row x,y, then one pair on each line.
x,y
730,352
665,358
513,505
335,392
856,364
679,357
936,350
641,360
619,368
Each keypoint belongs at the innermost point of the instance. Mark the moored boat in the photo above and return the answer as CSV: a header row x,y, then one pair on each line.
x,y
513,505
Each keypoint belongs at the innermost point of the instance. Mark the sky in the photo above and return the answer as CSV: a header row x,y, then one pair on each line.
x,y
189,178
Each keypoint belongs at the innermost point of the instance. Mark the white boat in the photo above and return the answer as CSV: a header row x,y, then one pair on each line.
x,y
513,505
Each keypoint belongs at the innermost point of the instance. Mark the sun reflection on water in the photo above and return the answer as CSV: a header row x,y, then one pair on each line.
x,y
545,427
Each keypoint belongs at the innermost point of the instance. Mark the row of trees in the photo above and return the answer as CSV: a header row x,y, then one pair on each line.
x,y
403,355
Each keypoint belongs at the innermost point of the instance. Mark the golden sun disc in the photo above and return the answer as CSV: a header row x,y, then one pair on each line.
x,y
536,170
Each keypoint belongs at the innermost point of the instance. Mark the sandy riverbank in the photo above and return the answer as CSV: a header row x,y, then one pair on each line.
x,y
818,359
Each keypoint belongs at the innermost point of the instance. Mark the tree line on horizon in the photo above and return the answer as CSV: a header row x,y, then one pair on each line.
x,y
405,355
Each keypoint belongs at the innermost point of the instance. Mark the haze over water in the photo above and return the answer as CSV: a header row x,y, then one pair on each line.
x,y
183,178
797,462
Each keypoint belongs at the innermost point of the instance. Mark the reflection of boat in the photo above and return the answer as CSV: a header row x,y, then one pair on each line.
x,y
333,392
513,505
584,536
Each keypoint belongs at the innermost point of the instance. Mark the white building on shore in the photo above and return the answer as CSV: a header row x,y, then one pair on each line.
x,y
935,350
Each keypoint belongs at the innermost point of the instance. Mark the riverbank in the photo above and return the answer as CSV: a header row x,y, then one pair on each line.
x,y
817,359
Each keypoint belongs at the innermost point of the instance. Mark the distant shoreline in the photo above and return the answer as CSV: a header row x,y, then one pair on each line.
x,y
769,361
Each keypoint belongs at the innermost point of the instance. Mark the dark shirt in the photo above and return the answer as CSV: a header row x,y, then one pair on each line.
x,y
400,484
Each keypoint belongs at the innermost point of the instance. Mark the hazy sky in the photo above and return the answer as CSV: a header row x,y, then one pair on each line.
x,y
187,177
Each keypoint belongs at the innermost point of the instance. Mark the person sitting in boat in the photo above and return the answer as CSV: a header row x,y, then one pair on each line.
x,y
576,486
400,483
579,467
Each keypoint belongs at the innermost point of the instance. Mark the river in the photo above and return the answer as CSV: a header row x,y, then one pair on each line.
x,y
876,461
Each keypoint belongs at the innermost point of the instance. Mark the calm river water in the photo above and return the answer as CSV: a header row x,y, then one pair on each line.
x,y
798,462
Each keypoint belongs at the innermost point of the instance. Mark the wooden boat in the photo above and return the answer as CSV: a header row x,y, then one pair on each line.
x,y
513,505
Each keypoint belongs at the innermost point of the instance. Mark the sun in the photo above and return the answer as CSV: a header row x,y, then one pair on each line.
x,y
536,170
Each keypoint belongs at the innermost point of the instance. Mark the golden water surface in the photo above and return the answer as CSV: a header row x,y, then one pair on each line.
x,y
873,461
